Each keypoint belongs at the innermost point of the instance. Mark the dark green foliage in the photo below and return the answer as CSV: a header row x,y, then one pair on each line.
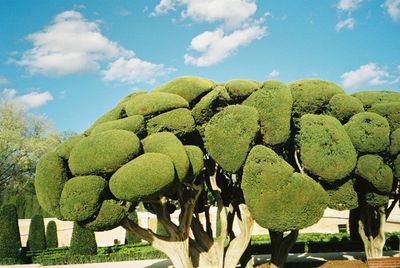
x,y
131,238
110,215
36,237
81,197
230,134
369,98
375,171
190,88
65,148
311,96
369,132
343,196
274,105
10,242
154,103
51,235
241,89
166,143
103,152
83,241
396,169
269,187
376,200
343,107
132,123
394,148
49,181
179,122
195,155
391,111
114,114
148,175
325,148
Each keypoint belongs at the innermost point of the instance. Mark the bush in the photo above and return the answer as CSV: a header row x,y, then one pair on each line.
x,y
83,241
10,242
51,235
36,237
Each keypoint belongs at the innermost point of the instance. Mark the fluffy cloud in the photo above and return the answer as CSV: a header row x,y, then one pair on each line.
x,y
217,45
164,7
366,75
3,80
393,9
348,23
348,5
33,99
274,73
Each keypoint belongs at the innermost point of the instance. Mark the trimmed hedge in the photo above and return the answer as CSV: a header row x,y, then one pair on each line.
x,y
83,241
134,124
37,236
343,196
369,98
342,107
51,235
241,89
373,169
10,242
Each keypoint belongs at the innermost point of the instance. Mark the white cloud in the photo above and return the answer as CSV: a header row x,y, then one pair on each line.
x,y
348,23
393,9
33,99
3,80
366,75
217,45
134,70
348,5
164,7
274,73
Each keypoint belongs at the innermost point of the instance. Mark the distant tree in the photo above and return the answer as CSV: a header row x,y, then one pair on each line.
x,y
10,242
51,235
37,236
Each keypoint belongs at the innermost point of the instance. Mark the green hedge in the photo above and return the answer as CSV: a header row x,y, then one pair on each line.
x,y
83,241
36,237
9,232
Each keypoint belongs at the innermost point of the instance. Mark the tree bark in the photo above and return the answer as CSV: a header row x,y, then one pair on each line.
x,y
281,246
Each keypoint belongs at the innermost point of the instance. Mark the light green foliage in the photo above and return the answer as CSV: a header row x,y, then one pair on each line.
x,y
81,197
343,196
369,132
195,155
36,237
188,87
49,182
110,215
274,105
148,175
9,232
132,123
114,114
311,96
166,143
64,150
230,134
83,241
325,148
375,171
103,152
179,122
369,98
241,89
122,103
376,200
51,235
394,148
343,107
270,187
154,103
396,164
389,110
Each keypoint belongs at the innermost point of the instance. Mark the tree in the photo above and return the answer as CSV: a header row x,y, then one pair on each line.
x,y
10,243
36,236
51,235
244,147
83,241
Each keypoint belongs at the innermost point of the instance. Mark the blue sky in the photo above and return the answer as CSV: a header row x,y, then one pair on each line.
x,y
73,60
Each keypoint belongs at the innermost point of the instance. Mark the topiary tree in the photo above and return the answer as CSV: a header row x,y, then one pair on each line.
x,y
51,235
83,241
36,237
10,243
242,146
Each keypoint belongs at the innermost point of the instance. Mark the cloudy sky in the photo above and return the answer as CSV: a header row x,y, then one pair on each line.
x,y
73,60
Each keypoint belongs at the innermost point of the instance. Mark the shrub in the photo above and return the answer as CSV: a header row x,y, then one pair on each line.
x,y
369,98
64,150
36,237
342,107
373,169
10,242
83,241
51,235
134,124
391,111
241,89
342,196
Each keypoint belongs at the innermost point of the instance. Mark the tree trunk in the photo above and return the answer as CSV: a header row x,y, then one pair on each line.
x,y
354,217
281,246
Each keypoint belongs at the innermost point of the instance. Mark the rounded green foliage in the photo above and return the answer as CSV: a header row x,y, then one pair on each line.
x,y
343,197
122,103
230,134
103,152
148,175
369,132
369,98
391,111
240,89
10,242
50,178
154,103
274,105
166,143
81,197
311,96
83,241
372,168
110,215
396,164
325,148
132,123
64,150
394,148
376,200
196,160
114,114
179,122
343,106
36,237
51,235
188,87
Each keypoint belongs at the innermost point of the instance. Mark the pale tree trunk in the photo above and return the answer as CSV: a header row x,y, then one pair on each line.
x,y
371,231
281,246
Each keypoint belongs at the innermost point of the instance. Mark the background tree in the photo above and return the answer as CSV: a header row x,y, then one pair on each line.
x,y
51,235
36,236
10,243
